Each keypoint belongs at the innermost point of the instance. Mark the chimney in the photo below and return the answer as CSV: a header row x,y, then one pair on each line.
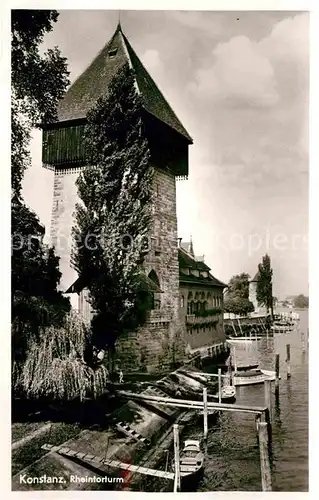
x,y
190,248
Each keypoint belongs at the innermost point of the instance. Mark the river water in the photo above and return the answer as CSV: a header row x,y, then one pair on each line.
x,y
233,462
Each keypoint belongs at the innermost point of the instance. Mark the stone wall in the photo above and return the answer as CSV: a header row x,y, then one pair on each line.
x,y
203,336
160,342
65,197
253,294
150,349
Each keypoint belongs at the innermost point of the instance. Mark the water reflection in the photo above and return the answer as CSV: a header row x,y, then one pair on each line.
x,y
289,393
277,407
233,462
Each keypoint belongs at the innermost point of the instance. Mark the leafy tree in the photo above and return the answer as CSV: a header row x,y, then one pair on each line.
x,y
301,301
38,82
238,305
238,286
113,218
275,301
264,284
36,302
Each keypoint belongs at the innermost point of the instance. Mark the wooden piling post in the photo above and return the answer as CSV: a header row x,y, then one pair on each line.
x,y
177,480
167,458
264,457
240,328
205,412
288,360
269,431
267,389
219,385
230,371
235,360
257,420
277,371
234,328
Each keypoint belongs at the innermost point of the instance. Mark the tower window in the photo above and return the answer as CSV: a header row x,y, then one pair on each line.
x,y
112,53
156,297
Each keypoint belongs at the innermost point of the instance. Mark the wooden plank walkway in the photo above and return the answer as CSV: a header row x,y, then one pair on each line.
x,y
21,442
209,374
88,457
187,403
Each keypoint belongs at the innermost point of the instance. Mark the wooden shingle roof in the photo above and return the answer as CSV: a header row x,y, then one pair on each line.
x,y
95,80
186,261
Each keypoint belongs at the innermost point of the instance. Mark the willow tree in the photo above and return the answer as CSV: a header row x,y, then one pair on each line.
x,y
55,367
113,216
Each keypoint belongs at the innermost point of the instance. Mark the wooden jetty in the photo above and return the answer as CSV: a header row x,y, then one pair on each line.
x,y
196,405
87,457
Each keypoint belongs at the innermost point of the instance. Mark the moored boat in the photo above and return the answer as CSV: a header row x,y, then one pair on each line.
x,y
247,367
281,327
191,463
228,395
236,341
252,377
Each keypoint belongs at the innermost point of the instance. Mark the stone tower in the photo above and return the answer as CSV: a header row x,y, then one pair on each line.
x,y
157,342
253,291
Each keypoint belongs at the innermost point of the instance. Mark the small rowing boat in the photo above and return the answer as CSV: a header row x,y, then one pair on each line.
x,y
228,395
281,328
191,464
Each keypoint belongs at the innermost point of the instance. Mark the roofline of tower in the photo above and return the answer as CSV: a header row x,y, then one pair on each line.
x,y
82,121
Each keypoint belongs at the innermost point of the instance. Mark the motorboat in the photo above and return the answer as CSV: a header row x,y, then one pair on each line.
x,y
252,376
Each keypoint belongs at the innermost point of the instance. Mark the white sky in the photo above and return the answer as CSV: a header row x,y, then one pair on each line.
x,y
239,84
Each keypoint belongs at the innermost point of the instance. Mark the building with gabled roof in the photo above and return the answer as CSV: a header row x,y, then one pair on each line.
x,y
176,273
201,301
160,343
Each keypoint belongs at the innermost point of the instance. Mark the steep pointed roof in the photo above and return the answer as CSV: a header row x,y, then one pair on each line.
x,y
95,80
188,246
256,277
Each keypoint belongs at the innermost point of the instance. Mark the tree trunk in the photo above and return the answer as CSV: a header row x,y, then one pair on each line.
x,y
111,358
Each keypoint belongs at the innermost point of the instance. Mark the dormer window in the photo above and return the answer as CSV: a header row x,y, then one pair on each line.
x,y
185,270
112,53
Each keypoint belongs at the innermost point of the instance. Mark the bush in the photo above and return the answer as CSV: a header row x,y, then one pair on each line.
x,y
238,305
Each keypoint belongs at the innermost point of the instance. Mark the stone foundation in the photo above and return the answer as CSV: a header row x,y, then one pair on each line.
x,y
151,349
